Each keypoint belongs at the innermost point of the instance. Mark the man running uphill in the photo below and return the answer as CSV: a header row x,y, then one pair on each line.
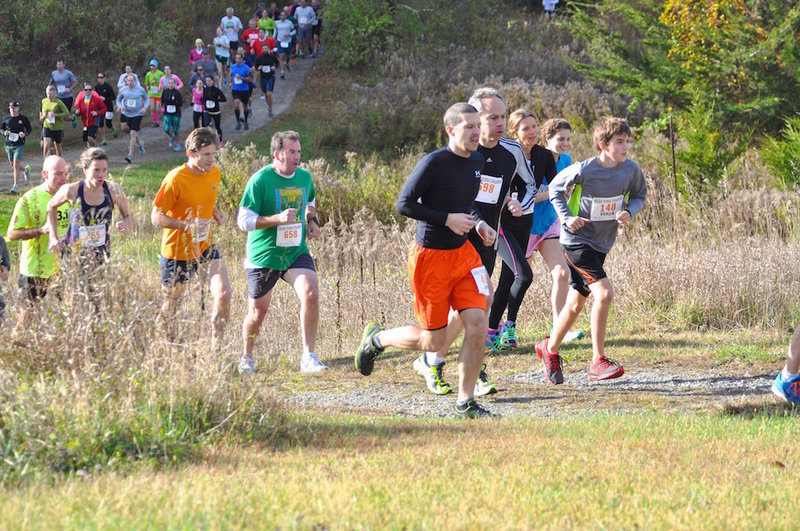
x,y
444,269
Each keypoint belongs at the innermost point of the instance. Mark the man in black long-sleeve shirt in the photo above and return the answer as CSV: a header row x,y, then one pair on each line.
x,y
444,269
15,128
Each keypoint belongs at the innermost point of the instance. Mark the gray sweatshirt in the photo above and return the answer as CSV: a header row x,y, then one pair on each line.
x,y
603,191
134,99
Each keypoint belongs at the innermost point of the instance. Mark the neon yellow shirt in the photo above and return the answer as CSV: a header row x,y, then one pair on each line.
x,y
31,212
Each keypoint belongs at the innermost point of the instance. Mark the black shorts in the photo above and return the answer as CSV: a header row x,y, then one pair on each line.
x,y
241,95
89,132
57,136
68,102
106,122
134,122
585,266
316,29
33,288
261,281
179,271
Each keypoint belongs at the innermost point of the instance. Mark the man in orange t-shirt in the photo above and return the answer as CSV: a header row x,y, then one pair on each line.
x,y
184,207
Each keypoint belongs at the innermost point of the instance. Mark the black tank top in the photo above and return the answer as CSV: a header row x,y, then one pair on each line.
x,y
93,216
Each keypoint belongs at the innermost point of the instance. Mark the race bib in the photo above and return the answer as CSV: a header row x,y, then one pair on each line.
x,y
202,228
266,69
210,104
489,191
51,119
285,44
171,109
61,89
606,208
197,107
481,277
153,90
303,20
85,128
92,236
109,116
237,79
130,103
290,234
13,137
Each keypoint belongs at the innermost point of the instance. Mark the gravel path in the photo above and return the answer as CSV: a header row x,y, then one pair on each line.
x,y
155,140
528,394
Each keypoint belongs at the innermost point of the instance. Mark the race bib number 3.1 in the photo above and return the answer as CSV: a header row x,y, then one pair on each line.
x,y
489,191
290,234
92,236
606,208
481,277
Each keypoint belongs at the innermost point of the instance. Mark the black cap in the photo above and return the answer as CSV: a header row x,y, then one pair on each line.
x,y
13,103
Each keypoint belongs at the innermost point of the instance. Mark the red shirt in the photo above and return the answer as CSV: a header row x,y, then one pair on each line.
x,y
96,103
251,36
267,44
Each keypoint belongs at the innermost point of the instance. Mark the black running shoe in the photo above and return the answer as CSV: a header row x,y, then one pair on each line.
x,y
367,352
473,410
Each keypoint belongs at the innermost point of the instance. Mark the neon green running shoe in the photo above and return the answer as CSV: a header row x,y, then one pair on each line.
x,y
472,410
432,375
483,386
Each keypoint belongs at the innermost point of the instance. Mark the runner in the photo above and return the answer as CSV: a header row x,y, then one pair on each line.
x,y
152,84
106,92
284,32
505,181
37,265
52,115
197,52
198,118
278,212
546,228
305,16
206,65
242,77
609,189
232,26
444,269
316,29
173,102
5,267
222,54
212,98
65,81
266,66
265,22
91,107
250,37
184,208
95,198
787,383
162,85
128,72
131,103
15,128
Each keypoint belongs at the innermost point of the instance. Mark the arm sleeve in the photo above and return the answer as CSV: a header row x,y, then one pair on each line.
x,y
638,193
26,124
525,172
246,219
221,95
558,189
415,187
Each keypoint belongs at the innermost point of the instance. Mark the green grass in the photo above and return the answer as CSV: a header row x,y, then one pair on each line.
x,y
648,471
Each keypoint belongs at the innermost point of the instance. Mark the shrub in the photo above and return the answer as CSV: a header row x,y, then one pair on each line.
x,y
782,154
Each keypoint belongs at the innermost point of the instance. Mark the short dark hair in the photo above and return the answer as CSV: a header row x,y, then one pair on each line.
x,y
452,116
200,138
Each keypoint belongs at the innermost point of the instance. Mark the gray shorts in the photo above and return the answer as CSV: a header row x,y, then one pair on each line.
x,y
260,281
15,152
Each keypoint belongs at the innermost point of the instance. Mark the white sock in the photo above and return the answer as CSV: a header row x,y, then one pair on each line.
x,y
786,376
433,359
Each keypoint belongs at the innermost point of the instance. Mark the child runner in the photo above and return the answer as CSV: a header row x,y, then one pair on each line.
x,y
197,104
546,228
609,190
787,384
212,97
173,101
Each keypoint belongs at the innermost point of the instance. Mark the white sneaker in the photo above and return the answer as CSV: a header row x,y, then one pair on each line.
x,y
310,363
246,366
263,97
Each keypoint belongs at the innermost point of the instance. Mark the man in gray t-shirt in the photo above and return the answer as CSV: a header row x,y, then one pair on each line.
x,y
64,81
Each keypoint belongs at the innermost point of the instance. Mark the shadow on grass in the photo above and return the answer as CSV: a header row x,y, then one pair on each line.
x,y
348,361
753,410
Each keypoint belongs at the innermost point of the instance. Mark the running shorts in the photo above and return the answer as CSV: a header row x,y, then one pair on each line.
x,y
585,266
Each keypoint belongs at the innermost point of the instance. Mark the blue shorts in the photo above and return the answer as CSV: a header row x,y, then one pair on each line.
x,y
267,83
180,271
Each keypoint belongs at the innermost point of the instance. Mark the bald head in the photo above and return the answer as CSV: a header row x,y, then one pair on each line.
x,y
54,173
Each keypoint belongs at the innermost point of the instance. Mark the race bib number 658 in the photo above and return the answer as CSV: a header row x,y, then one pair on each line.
x,y
289,234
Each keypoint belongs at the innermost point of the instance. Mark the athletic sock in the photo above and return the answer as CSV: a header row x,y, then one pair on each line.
x,y
155,116
432,359
786,376
236,113
491,331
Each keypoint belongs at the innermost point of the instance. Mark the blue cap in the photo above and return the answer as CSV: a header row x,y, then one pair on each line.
x,y
153,62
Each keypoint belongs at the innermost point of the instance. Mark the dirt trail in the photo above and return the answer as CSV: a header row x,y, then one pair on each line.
x,y
155,140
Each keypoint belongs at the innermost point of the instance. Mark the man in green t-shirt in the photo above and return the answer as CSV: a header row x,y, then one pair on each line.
x,y
37,265
52,115
278,211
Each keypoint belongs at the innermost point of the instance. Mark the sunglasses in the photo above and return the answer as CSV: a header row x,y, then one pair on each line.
x,y
101,77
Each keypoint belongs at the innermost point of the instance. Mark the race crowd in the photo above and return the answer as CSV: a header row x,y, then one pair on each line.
x,y
504,186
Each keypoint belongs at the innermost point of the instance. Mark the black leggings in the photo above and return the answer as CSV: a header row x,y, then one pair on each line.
x,y
198,119
216,119
515,275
